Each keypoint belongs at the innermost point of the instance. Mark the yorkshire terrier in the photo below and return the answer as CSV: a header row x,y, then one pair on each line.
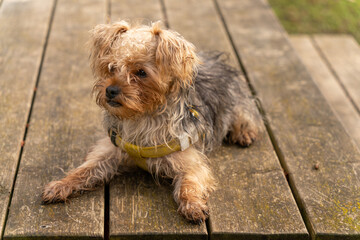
x,y
166,107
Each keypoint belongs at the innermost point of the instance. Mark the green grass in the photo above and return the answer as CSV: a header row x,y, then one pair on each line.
x,y
319,16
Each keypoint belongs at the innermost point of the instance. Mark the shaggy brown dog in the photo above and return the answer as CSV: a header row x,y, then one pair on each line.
x,y
165,107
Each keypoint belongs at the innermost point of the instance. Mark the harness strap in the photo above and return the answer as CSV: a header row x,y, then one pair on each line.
x,y
141,154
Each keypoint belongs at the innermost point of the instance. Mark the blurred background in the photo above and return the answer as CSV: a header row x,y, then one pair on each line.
x,y
319,16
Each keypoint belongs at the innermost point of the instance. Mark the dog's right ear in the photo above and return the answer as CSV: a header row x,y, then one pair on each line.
x,y
101,40
103,35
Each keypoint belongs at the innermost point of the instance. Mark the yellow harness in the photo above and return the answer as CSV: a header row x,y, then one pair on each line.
x,y
141,154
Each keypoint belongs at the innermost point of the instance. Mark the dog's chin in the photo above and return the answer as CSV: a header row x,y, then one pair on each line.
x,y
113,104
119,110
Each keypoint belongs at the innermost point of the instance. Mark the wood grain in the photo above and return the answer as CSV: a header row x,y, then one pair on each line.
x,y
198,22
253,199
304,127
23,28
343,54
65,122
327,84
139,208
136,11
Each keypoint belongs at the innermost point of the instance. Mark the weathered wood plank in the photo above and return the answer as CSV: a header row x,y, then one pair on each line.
x,y
198,22
64,124
23,28
344,60
253,199
138,207
328,85
305,129
136,11
141,209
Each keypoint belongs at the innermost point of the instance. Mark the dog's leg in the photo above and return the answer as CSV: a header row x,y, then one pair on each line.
x,y
100,165
193,183
247,123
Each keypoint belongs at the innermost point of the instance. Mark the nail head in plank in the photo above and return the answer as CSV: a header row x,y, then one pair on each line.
x,y
23,27
253,199
65,123
304,127
139,208
327,84
343,54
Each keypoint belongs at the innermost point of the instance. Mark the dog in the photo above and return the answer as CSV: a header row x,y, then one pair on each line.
x,y
165,108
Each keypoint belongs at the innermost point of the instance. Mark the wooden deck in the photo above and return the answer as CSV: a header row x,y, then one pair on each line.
x,y
301,181
333,61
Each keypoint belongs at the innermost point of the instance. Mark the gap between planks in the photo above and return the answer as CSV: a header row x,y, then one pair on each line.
x,y
163,9
152,212
334,73
167,25
30,110
274,141
180,24
308,116
328,81
269,130
45,81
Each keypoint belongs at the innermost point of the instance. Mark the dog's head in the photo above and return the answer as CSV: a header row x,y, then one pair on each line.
x,y
137,69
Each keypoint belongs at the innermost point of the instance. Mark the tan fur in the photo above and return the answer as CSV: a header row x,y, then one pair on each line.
x,y
193,183
121,51
154,71
243,128
100,165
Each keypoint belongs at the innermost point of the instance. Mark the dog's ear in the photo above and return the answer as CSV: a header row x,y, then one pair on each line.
x,y
102,38
175,57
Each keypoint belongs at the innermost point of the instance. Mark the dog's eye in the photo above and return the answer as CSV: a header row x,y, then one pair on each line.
x,y
111,68
141,73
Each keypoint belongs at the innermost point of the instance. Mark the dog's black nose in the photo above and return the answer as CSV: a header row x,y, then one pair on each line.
x,y
112,91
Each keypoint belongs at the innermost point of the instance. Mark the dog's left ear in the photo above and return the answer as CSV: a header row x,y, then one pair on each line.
x,y
175,56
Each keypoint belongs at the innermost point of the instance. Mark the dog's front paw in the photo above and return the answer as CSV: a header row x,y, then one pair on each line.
x,y
244,135
247,137
196,212
56,191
